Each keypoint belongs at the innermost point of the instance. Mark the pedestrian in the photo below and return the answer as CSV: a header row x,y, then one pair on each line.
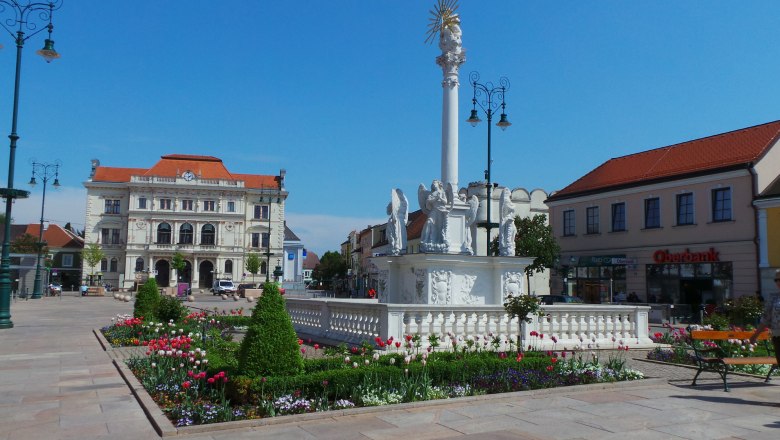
x,y
771,318
83,289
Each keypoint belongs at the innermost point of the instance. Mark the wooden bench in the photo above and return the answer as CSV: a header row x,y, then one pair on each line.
x,y
714,359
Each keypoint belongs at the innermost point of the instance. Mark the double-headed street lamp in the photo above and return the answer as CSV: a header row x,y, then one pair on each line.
x,y
23,19
487,97
268,254
44,172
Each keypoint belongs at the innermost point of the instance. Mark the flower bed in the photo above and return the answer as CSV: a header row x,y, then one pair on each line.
x,y
679,349
190,369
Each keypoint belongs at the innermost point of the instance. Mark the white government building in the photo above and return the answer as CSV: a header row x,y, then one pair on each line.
x,y
188,204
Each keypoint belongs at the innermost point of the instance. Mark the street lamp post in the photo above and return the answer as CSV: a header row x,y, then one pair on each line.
x,y
23,19
268,254
487,97
43,171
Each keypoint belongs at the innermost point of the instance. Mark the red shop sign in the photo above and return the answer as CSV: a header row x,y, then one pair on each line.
x,y
664,256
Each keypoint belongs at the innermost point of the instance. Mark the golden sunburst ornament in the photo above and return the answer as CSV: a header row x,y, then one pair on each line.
x,y
443,16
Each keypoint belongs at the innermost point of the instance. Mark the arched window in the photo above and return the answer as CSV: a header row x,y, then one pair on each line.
x,y
164,233
114,264
104,265
207,235
185,234
139,264
229,266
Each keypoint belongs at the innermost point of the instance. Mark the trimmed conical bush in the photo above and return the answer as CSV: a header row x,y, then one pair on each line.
x,y
147,300
270,347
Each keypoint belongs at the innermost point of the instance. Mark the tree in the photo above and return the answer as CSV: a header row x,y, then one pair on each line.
x,y
178,263
331,266
534,239
28,244
252,264
92,255
147,300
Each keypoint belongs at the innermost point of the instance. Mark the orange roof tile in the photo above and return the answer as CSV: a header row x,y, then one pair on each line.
x,y
734,148
55,236
415,226
172,165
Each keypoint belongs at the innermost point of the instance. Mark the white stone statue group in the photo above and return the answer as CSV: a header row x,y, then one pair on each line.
x,y
436,204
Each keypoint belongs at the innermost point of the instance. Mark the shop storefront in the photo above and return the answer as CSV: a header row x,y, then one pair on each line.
x,y
596,279
686,277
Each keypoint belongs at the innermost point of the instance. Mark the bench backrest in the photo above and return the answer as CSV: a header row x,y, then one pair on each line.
x,y
714,335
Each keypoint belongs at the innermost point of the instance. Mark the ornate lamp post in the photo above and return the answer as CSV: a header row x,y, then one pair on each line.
x,y
22,19
43,171
268,254
487,97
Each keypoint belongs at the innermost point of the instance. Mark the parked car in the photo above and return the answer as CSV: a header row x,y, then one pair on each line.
x,y
221,287
558,299
55,289
242,288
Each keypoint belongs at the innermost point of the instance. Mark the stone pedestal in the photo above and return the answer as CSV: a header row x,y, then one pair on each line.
x,y
447,279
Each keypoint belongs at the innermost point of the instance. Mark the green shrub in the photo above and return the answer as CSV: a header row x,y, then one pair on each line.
x,y
744,310
717,321
270,347
169,308
147,300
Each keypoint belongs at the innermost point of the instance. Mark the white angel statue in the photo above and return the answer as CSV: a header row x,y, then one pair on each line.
x,y
471,218
507,230
436,204
398,210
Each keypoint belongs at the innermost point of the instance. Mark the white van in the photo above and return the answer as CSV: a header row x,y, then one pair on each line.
x,y
223,286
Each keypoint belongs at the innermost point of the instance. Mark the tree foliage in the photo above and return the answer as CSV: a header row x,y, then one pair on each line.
x,y
252,264
535,239
331,266
178,263
27,244
92,255
270,347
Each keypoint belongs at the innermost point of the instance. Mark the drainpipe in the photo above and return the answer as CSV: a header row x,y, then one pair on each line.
x,y
756,241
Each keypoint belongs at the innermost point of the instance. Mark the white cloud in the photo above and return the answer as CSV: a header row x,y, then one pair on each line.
x,y
63,205
322,233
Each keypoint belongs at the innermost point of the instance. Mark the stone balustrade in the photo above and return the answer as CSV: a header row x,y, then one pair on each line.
x,y
352,321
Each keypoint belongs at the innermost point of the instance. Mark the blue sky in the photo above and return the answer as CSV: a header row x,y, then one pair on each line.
x,y
346,96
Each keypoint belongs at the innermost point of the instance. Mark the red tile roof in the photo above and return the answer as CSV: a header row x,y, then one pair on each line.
x,y
172,165
55,236
735,148
415,226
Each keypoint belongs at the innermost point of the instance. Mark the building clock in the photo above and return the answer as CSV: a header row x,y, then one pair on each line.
x,y
188,175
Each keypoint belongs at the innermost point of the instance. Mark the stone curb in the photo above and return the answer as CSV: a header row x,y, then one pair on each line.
x,y
159,421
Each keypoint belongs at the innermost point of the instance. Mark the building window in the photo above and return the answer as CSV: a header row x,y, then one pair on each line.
x,y
112,206
618,217
266,239
592,214
229,266
114,264
255,239
186,205
721,205
67,260
164,233
104,265
568,223
685,209
231,206
185,234
139,264
652,213
165,204
209,205
263,268
207,235
109,236
142,203
261,212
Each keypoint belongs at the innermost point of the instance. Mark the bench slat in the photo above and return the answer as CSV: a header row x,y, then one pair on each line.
x,y
723,335
757,360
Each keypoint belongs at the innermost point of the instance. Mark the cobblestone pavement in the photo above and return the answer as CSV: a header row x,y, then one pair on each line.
x,y
56,382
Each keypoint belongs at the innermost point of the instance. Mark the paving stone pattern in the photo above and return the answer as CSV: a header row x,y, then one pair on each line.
x,y
56,382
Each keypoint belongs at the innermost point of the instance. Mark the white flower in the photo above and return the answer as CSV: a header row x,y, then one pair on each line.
x,y
205,361
154,365
354,365
169,352
392,361
197,362
376,356
367,362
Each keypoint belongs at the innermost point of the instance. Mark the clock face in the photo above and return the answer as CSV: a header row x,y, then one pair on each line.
x,y
188,175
